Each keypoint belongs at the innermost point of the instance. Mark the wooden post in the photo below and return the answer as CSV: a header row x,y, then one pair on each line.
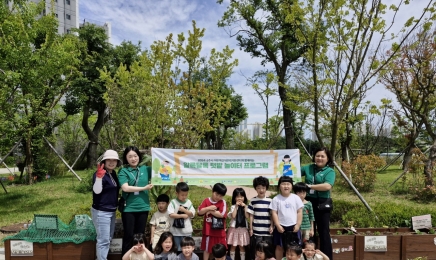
x,y
51,146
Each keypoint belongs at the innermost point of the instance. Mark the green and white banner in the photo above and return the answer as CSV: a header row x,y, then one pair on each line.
x,y
231,167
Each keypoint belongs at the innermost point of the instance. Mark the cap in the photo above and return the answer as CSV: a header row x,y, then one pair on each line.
x,y
110,154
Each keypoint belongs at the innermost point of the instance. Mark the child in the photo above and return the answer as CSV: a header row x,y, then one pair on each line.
x,y
211,207
138,251
188,246
237,234
264,251
293,252
160,221
219,252
287,214
309,252
306,228
258,209
165,248
181,208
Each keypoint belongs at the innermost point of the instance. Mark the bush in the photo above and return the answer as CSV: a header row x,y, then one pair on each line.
x,y
85,185
362,171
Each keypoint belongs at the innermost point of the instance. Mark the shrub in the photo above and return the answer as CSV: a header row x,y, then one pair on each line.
x,y
362,171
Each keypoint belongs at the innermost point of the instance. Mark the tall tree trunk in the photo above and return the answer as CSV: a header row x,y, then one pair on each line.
x,y
428,167
29,159
93,134
288,116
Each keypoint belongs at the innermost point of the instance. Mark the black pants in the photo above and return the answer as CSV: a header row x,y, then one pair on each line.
x,y
133,223
322,226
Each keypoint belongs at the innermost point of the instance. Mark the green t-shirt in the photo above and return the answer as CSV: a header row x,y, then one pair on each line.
x,y
324,175
139,202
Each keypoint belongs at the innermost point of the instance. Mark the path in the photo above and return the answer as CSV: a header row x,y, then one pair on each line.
x,y
6,171
2,254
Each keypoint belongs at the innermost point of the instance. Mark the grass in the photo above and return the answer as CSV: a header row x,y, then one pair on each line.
x,y
59,196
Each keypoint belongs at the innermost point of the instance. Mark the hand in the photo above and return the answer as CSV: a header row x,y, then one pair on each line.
x,y
280,229
317,251
296,228
100,170
271,229
251,232
212,207
148,187
182,209
311,233
136,249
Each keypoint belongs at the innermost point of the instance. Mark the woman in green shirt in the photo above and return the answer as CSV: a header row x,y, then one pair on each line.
x,y
135,185
320,178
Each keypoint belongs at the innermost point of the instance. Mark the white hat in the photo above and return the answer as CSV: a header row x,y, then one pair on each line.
x,y
110,154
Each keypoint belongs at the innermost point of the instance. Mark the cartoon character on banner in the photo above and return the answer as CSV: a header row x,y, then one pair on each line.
x,y
286,167
165,170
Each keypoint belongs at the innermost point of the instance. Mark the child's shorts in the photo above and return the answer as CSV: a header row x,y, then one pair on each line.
x,y
285,238
305,234
208,242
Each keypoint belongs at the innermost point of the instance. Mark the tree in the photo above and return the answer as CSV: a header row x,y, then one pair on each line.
x,y
411,77
345,39
168,105
264,30
37,67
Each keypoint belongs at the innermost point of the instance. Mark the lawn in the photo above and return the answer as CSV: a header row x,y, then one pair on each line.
x,y
59,196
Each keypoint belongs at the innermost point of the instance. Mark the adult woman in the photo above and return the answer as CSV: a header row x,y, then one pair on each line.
x,y
320,178
104,201
134,183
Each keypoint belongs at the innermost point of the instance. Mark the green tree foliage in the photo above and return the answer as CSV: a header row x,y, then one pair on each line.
x,y
36,70
161,101
411,77
263,29
362,171
345,39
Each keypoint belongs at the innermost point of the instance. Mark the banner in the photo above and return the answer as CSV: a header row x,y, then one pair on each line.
x,y
230,167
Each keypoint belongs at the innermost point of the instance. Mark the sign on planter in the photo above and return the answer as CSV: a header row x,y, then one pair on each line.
x,y
423,221
376,244
115,246
21,248
231,167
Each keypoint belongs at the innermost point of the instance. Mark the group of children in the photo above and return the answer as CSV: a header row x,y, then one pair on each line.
x,y
273,229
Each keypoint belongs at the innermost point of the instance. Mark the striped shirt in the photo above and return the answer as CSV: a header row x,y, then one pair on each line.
x,y
259,208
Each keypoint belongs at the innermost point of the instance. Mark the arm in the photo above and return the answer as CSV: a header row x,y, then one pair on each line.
x,y
126,256
153,228
320,187
127,188
234,212
299,219
324,257
251,224
98,185
275,220
205,210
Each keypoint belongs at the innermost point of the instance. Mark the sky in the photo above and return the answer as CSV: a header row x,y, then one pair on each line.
x,y
151,20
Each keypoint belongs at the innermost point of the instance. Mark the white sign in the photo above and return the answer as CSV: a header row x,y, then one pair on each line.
x,y
115,246
423,221
21,248
376,244
232,167
197,242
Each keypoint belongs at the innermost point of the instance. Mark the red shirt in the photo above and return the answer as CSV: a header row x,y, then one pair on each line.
x,y
207,220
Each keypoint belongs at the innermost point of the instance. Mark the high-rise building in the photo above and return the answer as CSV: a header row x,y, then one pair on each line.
x,y
257,130
106,26
67,12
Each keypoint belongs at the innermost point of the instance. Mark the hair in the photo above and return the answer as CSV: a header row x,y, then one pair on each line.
x,y
293,247
138,238
219,250
182,186
236,192
262,181
158,249
308,242
284,179
220,188
187,241
300,187
266,247
327,152
163,198
127,150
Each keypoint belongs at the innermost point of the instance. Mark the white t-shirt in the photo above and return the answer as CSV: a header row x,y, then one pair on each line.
x,y
173,207
286,208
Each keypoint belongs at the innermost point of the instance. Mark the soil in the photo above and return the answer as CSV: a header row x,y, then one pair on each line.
x,y
14,228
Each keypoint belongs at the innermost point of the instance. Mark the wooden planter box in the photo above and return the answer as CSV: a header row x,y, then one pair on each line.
x,y
418,245
393,249
344,246
50,251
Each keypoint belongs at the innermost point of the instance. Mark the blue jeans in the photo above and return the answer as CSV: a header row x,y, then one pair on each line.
x,y
104,223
